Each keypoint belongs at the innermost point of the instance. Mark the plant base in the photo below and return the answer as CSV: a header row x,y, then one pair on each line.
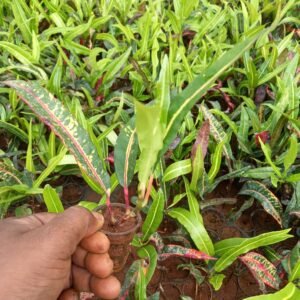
x,y
120,233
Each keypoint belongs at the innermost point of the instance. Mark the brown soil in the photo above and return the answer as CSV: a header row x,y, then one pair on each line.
x,y
121,223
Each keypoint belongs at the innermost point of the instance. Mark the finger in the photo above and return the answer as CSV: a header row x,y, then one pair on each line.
x,y
99,265
78,258
69,294
107,288
81,279
69,228
96,243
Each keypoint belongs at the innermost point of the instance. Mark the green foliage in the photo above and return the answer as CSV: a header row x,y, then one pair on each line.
x,y
174,96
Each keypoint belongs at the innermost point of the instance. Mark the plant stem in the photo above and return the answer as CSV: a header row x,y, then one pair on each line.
x,y
149,186
108,204
126,198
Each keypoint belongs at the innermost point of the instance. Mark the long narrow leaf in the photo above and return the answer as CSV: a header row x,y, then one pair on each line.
x,y
59,119
184,101
267,199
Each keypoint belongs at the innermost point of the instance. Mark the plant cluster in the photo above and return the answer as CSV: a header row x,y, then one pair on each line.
x,y
178,96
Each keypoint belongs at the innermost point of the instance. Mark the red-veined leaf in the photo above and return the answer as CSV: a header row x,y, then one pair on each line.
x,y
262,269
268,200
176,250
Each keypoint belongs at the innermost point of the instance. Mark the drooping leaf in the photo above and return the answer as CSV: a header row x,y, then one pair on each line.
x,y
51,112
268,200
183,102
52,201
230,249
148,252
154,216
195,228
125,154
176,250
262,269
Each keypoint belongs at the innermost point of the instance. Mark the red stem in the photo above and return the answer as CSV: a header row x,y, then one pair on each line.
x,y
126,197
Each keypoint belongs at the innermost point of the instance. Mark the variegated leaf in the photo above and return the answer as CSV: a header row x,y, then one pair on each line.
x,y
125,154
51,112
176,250
268,200
9,174
262,269
217,131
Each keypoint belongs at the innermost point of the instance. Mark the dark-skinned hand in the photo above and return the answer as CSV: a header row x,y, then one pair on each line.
x,y
55,256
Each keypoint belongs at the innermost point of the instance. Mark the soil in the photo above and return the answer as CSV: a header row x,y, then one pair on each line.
x,y
121,223
172,281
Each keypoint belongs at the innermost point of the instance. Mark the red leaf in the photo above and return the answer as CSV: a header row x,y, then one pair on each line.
x,y
264,136
176,250
202,139
262,269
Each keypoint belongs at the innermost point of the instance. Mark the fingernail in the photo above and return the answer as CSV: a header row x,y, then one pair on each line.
x,y
99,218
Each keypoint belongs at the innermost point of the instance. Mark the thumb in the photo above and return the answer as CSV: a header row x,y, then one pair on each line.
x,y
66,230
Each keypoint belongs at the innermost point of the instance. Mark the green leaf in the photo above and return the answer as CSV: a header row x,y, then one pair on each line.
x,y
177,169
163,90
230,249
154,216
14,130
140,285
198,168
130,279
125,154
289,292
59,119
216,281
291,154
150,137
262,270
29,160
148,252
53,163
183,102
52,200
268,200
193,202
216,162
18,52
267,152
88,205
295,274
21,19
195,228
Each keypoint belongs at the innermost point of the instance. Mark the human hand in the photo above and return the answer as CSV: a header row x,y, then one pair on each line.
x,y
49,256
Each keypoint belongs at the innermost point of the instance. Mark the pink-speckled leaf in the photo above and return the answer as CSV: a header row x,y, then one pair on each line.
x,y
176,250
55,115
262,269
202,140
